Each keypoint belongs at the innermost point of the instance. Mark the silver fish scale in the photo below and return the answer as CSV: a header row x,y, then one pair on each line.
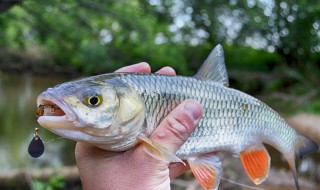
x,y
232,120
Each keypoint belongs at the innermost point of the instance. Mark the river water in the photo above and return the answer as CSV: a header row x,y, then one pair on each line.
x,y
18,93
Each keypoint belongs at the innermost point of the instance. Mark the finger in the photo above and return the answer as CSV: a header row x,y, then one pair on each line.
x,y
176,169
167,71
175,129
142,67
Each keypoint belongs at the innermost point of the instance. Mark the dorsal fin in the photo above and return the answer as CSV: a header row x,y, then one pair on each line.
x,y
214,67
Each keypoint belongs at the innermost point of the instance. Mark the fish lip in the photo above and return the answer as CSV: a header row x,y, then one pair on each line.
x,y
66,121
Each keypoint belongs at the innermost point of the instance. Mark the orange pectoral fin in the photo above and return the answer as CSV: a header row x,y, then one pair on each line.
x,y
207,170
256,162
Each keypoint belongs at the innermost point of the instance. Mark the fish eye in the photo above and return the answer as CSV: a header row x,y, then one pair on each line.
x,y
94,100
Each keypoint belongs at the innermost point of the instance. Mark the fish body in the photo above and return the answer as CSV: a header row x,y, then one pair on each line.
x,y
231,119
111,111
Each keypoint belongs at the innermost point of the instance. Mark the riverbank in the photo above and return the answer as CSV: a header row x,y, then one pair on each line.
x,y
278,179
307,124
32,60
279,176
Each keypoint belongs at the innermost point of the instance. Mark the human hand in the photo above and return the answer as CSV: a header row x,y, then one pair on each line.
x,y
135,169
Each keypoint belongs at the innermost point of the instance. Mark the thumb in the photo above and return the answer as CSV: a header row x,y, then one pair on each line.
x,y
175,129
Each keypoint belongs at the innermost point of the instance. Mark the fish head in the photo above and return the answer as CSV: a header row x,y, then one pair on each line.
x,y
98,112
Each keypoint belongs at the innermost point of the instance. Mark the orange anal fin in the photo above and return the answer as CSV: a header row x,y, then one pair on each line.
x,y
207,170
256,162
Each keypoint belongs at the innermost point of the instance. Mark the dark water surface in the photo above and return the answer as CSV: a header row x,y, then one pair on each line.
x,y
18,93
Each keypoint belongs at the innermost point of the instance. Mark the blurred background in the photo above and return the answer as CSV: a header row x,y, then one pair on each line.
x,y
272,51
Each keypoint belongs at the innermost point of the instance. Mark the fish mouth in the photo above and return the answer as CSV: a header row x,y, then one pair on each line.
x,y
53,113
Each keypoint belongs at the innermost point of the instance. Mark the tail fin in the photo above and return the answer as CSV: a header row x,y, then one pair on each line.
x,y
304,147
292,165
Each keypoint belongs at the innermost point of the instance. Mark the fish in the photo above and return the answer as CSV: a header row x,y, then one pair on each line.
x,y
117,111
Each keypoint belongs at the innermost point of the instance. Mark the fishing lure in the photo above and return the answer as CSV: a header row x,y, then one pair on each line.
x,y
36,146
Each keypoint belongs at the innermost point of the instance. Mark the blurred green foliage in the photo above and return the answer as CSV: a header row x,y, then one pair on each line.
x,y
272,48
54,183
281,38
98,36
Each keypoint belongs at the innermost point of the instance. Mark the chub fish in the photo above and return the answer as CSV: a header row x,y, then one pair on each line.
x,y
111,111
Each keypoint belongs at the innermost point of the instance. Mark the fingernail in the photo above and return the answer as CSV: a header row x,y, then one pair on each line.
x,y
167,70
193,109
144,64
